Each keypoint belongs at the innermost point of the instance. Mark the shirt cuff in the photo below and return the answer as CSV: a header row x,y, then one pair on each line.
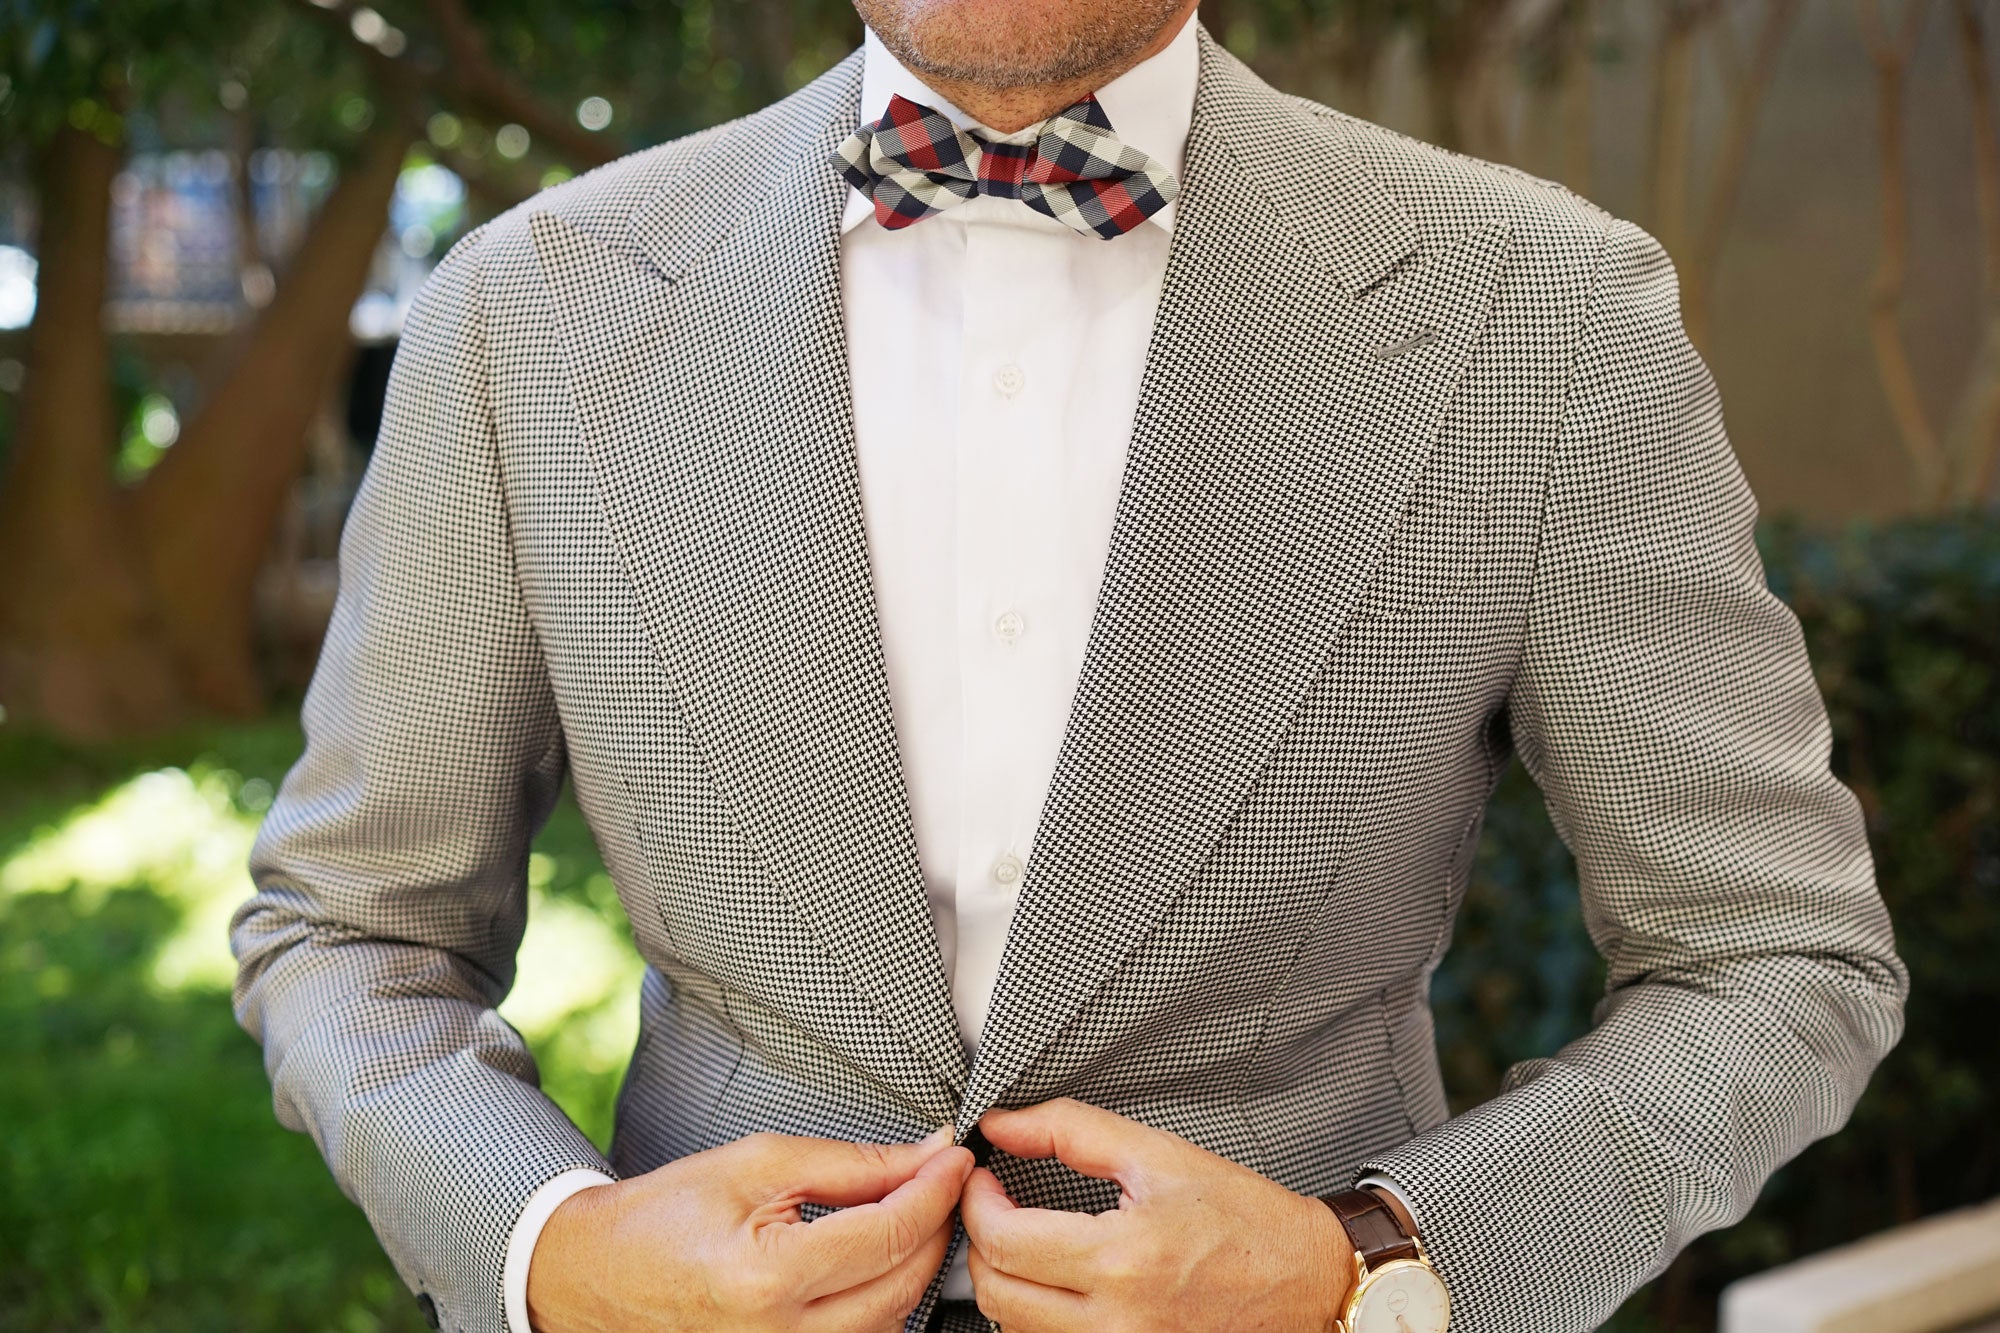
x,y
528,1229
1375,1178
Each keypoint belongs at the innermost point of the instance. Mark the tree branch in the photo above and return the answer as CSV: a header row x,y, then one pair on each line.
x,y
1985,145
1577,76
485,85
467,78
1681,21
1972,439
1890,54
1739,133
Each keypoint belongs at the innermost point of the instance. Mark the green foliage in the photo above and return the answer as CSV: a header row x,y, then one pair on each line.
x,y
143,1180
145,1184
667,69
98,63
1905,628
1903,624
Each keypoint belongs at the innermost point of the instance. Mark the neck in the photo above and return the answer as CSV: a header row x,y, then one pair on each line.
x,y
1006,109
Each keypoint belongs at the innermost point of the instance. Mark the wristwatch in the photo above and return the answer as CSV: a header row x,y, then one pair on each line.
x,y
1395,1288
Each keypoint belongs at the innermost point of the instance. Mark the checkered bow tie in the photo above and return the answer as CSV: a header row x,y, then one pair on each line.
x,y
914,163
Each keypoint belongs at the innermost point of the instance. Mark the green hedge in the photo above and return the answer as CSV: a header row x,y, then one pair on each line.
x,y
1903,624
145,1185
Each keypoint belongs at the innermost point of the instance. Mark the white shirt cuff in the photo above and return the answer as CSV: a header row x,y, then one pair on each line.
x,y
1383,1182
528,1229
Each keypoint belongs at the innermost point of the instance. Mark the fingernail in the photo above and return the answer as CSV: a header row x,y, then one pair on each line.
x,y
937,1138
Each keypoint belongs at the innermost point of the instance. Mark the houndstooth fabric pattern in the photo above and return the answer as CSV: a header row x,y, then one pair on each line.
x,y
914,164
1424,477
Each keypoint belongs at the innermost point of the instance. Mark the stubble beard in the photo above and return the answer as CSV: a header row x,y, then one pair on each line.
x,y
968,44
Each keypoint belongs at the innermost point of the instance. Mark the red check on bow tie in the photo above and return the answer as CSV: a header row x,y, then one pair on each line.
x,y
914,164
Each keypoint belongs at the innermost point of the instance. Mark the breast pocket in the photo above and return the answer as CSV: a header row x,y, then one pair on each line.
x,y
1437,544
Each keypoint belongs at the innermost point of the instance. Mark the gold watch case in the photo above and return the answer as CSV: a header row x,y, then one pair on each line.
x,y
1401,1296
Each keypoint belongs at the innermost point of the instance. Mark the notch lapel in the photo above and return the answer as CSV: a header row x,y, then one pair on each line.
x,y
714,402
1272,451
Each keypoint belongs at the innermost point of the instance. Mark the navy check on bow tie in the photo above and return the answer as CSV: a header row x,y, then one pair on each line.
x,y
914,163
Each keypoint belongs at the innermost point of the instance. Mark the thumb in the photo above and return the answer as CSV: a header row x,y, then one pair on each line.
x,y
841,1174
856,1245
1085,1138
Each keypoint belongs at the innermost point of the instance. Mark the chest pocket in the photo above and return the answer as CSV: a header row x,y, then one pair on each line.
x,y
1438,542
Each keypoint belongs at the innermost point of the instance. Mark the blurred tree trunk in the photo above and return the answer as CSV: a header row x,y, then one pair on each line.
x,y
1954,470
1673,119
1739,134
1578,119
1555,47
203,518
1891,53
1358,42
78,644
765,35
250,265
123,610
1972,434
1460,45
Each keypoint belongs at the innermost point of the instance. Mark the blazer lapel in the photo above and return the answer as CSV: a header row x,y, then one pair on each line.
x,y
1301,359
714,401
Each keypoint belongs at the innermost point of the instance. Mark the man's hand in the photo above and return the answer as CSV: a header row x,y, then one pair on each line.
x,y
1196,1243
714,1240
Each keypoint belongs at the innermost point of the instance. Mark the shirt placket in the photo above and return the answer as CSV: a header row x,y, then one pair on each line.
x,y
1009,434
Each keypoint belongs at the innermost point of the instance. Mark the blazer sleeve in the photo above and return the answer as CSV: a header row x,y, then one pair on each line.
x,y
1665,706
391,871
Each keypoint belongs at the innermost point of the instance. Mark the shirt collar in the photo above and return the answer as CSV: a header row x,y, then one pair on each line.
x,y
1150,107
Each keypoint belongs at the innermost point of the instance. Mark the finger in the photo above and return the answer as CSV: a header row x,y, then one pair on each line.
x,y
886,1301
830,1171
1082,1137
1053,1248
843,1249
1021,1306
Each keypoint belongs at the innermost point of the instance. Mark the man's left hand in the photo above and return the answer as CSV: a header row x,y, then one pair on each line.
x,y
1196,1242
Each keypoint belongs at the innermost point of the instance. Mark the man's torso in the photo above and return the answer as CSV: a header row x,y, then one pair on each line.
x,y
1286,718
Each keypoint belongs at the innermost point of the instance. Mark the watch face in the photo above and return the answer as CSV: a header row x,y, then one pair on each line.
x,y
1402,1297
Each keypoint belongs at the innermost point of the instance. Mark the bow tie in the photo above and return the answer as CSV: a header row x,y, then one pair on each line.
x,y
914,163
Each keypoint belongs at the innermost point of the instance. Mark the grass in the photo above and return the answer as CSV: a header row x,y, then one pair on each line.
x,y
144,1183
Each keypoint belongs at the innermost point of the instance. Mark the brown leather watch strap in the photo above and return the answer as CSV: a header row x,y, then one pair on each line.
x,y
1372,1227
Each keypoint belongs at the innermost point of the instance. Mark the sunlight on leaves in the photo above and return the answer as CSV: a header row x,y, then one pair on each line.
x,y
175,832
184,835
578,980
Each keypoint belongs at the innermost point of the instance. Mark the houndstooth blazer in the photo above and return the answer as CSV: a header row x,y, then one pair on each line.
x,y
1424,475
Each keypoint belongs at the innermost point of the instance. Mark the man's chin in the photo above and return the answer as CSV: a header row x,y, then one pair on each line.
x,y
1015,43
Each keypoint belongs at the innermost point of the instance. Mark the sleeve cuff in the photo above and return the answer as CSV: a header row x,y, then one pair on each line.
x,y
541,1205
1375,1178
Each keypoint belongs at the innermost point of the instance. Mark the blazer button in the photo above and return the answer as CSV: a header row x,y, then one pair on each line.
x,y
427,1308
982,1151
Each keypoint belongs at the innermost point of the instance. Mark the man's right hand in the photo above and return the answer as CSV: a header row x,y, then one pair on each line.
x,y
715,1240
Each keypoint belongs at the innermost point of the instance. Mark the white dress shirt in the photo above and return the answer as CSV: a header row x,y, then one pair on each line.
x,y
995,358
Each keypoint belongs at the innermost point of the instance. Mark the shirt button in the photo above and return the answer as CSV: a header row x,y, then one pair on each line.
x,y
1009,380
1008,869
1009,626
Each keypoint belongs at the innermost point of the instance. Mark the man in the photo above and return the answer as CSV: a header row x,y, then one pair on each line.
x,y
1038,435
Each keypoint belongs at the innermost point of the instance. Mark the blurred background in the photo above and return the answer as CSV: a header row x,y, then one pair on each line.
x,y
213,214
